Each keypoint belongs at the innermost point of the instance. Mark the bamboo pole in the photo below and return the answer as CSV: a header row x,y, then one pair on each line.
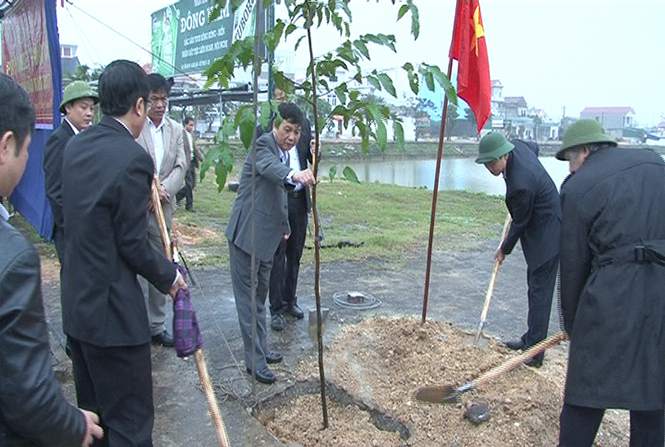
x,y
220,429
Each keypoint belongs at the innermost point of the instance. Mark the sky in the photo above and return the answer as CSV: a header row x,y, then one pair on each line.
x,y
556,53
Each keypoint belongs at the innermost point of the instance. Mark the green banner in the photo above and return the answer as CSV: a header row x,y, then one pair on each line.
x,y
183,39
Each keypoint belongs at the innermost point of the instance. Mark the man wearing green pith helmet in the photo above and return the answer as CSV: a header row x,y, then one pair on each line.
x,y
612,286
78,106
533,202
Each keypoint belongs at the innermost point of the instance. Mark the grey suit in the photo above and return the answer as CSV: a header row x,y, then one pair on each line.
x,y
271,224
171,174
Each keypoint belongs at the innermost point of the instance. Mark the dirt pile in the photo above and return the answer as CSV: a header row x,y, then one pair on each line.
x,y
381,362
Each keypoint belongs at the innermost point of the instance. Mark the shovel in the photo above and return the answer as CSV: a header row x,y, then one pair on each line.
x,y
312,326
448,394
490,288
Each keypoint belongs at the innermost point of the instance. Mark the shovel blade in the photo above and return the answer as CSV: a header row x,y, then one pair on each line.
x,y
438,394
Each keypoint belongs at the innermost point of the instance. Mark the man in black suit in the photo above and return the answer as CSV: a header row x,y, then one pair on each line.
x,y
533,202
78,105
33,410
105,196
286,262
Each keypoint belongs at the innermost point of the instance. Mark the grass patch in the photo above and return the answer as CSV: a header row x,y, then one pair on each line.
x,y
391,221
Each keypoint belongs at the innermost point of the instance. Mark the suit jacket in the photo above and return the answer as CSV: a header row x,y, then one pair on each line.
x,y
271,207
105,195
174,163
533,202
33,410
304,152
55,147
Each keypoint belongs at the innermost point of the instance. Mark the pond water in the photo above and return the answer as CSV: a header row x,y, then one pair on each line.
x,y
456,173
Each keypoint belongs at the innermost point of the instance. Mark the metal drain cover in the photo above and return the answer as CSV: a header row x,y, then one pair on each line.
x,y
356,300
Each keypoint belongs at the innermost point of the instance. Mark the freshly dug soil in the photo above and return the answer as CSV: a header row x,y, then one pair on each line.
x,y
381,363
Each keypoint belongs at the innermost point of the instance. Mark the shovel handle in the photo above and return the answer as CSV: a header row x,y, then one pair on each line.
x,y
515,362
490,288
159,214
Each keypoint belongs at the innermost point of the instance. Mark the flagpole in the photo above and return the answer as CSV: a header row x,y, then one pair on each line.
x,y
437,175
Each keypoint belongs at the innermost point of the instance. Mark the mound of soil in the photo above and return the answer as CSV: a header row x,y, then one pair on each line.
x,y
381,363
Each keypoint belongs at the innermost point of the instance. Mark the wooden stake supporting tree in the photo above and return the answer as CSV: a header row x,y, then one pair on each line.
x,y
366,118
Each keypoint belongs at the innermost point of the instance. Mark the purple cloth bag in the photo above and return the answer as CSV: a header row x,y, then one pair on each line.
x,y
186,333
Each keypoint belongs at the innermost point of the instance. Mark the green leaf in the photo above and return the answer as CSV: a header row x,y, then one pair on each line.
x,y
272,38
341,91
381,132
332,172
399,135
227,159
445,83
295,48
415,21
402,10
350,174
289,29
265,115
414,82
360,45
374,81
246,125
221,173
429,80
387,83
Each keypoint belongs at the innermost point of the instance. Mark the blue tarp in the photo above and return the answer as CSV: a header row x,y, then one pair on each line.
x,y
29,197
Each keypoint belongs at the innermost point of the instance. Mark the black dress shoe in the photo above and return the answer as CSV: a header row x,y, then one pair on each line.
x,y
295,311
277,322
273,357
535,361
163,339
515,345
263,375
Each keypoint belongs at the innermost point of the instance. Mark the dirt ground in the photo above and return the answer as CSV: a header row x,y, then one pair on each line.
x,y
374,360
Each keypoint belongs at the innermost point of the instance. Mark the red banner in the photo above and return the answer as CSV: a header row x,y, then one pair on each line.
x,y
26,58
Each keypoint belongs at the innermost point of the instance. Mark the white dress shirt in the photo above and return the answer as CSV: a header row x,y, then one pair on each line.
x,y
157,133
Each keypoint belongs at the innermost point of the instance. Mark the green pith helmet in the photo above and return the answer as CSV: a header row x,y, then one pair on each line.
x,y
77,90
492,147
584,131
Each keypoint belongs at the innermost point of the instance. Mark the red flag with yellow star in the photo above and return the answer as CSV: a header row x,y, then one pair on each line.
x,y
470,50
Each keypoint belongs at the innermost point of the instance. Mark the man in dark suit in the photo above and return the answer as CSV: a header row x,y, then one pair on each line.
x,y
258,223
533,202
105,196
612,286
33,410
194,158
78,105
286,262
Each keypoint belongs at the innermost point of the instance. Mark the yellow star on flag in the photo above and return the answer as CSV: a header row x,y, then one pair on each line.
x,y
478,30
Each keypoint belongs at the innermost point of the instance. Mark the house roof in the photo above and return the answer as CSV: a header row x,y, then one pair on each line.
x,y
607,111
515,100
496,82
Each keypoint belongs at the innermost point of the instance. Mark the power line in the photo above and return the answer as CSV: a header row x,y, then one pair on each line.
x,y
135,43
84,39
